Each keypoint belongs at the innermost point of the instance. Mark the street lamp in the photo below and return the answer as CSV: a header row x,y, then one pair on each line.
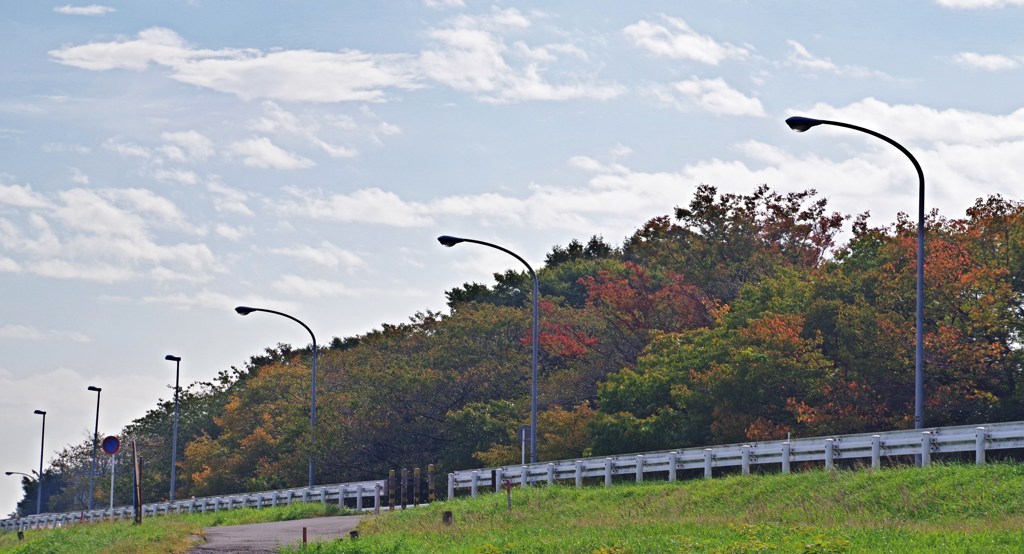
x,y
450,241
174,435
801,124
39,482
246,310
95,433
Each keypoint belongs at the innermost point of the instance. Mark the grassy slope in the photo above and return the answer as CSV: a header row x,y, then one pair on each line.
x,y
944,508
162,534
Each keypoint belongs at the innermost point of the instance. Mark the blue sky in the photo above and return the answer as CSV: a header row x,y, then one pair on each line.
x,y
165,161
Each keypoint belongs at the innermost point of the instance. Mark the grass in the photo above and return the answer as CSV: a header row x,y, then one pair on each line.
x,y
160,534
943,508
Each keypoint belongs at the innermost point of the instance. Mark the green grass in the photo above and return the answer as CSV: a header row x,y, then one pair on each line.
x,y
943,508
160,534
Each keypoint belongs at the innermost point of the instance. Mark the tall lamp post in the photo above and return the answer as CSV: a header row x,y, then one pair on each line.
x,y
174,435
801,124
450,241
39,482
246,310
95,433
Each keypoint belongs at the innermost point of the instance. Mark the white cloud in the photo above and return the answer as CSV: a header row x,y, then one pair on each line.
x,y
326,254
442,4
227,199
712,95
289,75
194,145
260,152
988,62
8,265
979,4
84,10
30,333
294,285
802,57
679,41
363,206
280,121
472,56
104,235
232,233
21,196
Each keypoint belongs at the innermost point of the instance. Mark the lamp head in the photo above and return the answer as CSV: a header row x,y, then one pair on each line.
x,y
244,310
801,124
449,241
172,358
40,412
95,389
8,473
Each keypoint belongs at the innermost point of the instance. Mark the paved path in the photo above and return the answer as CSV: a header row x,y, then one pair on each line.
x,y
268,537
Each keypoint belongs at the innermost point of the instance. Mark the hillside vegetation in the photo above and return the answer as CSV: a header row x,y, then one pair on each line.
x,y
736,318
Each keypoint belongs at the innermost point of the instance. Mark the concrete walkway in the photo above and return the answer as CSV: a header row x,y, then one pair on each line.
x,y
268,537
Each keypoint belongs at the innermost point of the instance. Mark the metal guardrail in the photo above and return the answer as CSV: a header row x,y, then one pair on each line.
x,y
827,450
925,443
339,493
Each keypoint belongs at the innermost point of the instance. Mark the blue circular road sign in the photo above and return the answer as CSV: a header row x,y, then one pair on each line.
x,y
111,445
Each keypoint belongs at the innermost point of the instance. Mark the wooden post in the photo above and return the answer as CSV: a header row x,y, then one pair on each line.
x,y
416,477
431,493
405,487
391,489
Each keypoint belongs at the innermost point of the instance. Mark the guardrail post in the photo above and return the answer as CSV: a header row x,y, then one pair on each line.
x,y
926,448
551,473
359,497
979,446
579,474
526,476
786,451
707,463
673,458
745,459
876,451
497,479
376,497
607,472
451,486
829,453
639,468
473,483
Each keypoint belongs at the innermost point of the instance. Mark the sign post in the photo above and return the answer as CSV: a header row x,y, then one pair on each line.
x,y
111,445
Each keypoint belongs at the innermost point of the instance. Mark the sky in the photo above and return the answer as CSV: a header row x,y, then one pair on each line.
x,y
162,162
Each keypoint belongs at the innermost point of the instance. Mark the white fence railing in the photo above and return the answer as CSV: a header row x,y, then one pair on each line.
x,y
925,443
363,494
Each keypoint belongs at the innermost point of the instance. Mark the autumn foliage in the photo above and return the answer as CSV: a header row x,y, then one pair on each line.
x,y
738,318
